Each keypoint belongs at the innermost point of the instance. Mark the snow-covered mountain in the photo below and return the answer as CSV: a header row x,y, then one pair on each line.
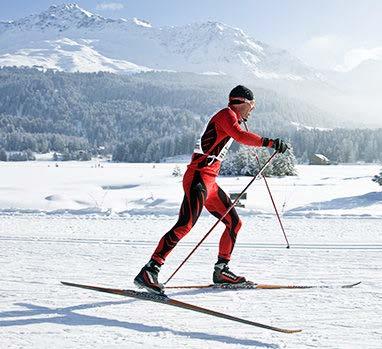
x,y
69,38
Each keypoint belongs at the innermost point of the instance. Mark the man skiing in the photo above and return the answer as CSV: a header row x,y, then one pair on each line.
x,y
201,189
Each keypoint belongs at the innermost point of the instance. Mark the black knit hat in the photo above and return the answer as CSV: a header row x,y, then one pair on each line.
x,y
241,91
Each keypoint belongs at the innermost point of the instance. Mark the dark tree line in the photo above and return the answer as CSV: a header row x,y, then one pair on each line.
x,y
339,144
148,116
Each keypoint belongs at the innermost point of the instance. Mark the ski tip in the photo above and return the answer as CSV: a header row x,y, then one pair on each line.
x,y
293,331
65,283
352,285
284,330
68,283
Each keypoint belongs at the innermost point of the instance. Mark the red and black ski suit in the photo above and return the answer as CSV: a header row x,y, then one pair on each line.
x,y
201,189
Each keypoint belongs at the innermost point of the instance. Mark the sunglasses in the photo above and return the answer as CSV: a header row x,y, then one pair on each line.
x,y
240,100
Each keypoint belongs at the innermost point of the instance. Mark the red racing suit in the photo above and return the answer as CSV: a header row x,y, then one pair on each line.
x,y
201,189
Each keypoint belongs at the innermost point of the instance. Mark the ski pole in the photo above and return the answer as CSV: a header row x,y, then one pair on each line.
x,y
222,217
271,196
274,206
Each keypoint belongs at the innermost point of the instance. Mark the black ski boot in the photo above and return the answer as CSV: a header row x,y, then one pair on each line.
x,y
148,278
222,274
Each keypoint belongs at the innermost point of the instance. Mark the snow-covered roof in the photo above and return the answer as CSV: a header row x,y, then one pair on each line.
x,y
322,157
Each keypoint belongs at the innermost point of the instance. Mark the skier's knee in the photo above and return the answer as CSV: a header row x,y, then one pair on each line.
x,y
234,225
181,231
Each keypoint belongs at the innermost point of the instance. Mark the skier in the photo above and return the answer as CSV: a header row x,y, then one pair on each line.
x,y
201,189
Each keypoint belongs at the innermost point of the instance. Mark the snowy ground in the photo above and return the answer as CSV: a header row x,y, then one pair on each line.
x,y
332,216
129,189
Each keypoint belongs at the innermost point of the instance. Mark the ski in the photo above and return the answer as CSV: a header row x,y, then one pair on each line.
x,y
173,302
250,285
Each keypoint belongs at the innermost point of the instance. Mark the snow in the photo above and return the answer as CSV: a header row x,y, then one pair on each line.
x,y
103,188
142,23
322,157
105,44
300,126
98,223
69,55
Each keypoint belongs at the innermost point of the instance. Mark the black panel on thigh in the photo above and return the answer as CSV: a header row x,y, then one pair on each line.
x,y
228,203
184,214
198,195
219,216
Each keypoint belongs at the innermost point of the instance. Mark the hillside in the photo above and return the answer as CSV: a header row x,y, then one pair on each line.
x,y
149,116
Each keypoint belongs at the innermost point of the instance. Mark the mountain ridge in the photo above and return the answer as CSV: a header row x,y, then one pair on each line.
x,y
198,47
71,39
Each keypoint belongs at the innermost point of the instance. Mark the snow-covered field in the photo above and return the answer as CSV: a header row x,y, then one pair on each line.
x,y
123,190
83,223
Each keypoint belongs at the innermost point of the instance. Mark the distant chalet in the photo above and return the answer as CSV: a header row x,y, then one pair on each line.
x,y
319,159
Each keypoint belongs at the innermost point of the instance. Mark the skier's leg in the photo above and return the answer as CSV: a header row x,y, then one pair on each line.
x,y
218,203
191,208
192,205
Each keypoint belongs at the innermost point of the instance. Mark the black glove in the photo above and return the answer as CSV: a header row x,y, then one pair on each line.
x,y
277,144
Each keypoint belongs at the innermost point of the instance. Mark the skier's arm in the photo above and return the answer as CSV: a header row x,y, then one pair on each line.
x,y
230,125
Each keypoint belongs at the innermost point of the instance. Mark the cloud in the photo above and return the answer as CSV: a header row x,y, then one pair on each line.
x,y
355,57
113,6
323,52
333,52
322,43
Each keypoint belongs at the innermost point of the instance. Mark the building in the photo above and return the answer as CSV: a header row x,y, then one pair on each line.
x,y
319,159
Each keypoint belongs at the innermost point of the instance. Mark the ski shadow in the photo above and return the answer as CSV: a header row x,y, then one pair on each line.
x,y
68,316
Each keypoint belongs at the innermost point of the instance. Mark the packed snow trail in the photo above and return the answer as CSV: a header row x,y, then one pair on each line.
x,y
36,312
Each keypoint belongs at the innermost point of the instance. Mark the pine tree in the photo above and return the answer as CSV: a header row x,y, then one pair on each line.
x,y
3,155
57,111
241,163
378,178
285,164
245,163
263,155
177,172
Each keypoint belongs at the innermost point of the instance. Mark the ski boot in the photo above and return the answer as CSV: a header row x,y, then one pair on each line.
x,y
225,278
148,278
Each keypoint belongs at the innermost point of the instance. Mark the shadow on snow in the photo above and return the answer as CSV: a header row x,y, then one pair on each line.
x,y
344,203
69,317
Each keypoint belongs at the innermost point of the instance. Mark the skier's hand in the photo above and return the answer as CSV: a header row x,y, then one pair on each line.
x,y
279,145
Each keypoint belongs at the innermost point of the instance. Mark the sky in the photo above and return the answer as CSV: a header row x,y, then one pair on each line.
x,y
326,34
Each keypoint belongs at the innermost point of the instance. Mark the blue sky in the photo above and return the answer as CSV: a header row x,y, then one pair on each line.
x,y
323,33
